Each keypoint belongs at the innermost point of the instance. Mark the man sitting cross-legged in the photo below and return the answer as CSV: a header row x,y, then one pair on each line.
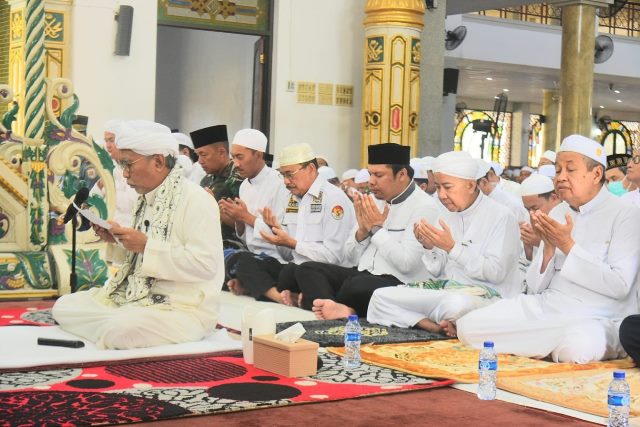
x,y
474,250
314,224
382,245
582,281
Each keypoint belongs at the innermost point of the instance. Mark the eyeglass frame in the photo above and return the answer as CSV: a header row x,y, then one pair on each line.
x,y
635,159
126,165
289,175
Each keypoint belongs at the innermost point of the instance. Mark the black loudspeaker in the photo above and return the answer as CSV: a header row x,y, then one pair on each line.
x,y
450,84
123,32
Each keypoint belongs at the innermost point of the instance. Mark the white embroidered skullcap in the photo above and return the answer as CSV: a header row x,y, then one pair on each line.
x,y
483,168
251,138
327,173
420,170
349,174
551,155
527,169
458,164
112,125
585,146
497,168
547,170
295,154
362,176
183,139
428,162
536,184
148,143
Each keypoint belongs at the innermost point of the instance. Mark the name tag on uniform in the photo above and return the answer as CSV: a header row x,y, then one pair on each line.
x,y
316,207
292,206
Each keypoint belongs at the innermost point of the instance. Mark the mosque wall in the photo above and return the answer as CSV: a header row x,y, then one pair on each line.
x,y
319,42
204,78
111,86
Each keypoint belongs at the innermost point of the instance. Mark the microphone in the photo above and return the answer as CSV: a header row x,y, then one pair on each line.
x,y
146,225
81,196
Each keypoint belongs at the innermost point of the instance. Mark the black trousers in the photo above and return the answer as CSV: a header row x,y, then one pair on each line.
x,y
345,285
258,274
630,336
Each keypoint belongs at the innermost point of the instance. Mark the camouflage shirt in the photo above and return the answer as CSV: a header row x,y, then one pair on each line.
x,y
224,185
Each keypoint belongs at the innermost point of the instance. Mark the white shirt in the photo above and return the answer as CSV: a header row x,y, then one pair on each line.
x,y
189,268
486,250
394,249
320,221
126,198
511,202
197,173
264,190
632,197
511,187
599,276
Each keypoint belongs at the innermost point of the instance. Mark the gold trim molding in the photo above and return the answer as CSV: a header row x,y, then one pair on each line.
x,y
395,12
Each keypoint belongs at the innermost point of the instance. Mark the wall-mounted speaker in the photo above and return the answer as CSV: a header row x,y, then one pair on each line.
x,y
124,17
450,83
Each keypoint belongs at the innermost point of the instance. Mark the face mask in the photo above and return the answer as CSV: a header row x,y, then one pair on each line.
x,y
616,188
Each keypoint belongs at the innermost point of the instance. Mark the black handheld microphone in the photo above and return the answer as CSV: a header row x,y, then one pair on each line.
x,y
81,196
146,225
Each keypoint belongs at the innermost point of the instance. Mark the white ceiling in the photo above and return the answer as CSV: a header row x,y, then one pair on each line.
x,y
526,84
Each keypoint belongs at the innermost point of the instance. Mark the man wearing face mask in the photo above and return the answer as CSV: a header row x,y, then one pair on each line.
x,y
616,174
633,175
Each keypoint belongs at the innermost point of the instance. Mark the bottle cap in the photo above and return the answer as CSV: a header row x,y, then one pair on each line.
x,y
619,375
353,317
488,344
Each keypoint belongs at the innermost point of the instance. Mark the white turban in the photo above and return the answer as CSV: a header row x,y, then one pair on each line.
x,y
147,126
551,155
458,164
362,176
497,168
148,143
428,162
536,184
349,174
547,170
251,138
183,139
327,173
112,125
483,168
585,146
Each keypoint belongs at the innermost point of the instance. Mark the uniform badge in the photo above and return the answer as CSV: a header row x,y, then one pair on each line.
x,y
337,212
316,207
292,206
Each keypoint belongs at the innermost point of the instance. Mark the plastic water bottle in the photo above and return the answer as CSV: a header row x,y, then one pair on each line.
x,y
487,369
352,337
618,400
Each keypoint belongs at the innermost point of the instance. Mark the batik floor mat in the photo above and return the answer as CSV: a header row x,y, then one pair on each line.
x,y
451,359
29,316
157,390
330,333
584,391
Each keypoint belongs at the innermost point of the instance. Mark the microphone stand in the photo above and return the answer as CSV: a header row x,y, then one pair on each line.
x,y
73,278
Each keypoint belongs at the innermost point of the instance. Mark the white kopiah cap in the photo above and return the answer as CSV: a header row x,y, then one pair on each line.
x,y
536,184
483,168
251,138
458,164
349,174
497,168
362,176
295,154
183,139
547,170
551,155
585,146
327,173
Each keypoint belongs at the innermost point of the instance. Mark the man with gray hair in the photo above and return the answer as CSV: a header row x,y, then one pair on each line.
x,y
166,290
582,281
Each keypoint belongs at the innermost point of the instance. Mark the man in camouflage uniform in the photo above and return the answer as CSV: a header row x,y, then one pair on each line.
x,y
222,180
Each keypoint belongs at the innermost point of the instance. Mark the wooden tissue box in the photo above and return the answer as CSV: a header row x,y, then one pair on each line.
x,y
297,359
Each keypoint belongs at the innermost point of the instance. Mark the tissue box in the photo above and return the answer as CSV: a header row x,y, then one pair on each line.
x,y
297,359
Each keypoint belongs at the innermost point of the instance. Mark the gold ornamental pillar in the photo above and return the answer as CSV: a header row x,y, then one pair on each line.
x,y
576,70
550,127
391,92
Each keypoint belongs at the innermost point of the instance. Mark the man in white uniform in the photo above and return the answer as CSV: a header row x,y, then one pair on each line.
x,y
317,218
262,188
582,281
166,290
474,248
382,245
511,202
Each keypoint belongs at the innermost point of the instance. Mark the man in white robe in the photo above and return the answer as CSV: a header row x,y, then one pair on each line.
x,y
491,189
582,281
382,245
166,291
474,249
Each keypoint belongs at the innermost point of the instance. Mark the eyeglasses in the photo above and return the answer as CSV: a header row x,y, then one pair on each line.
x,y
635,160
289,175
126,164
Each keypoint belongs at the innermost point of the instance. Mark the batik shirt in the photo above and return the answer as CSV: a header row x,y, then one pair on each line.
x,y
225,185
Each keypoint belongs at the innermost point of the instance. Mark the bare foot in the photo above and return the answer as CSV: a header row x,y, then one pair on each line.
x,y
273,294
429,326
289,298
235,287
329,310
449,328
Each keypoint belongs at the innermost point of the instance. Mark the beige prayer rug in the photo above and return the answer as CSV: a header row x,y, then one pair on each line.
x,y
451,359
584,391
